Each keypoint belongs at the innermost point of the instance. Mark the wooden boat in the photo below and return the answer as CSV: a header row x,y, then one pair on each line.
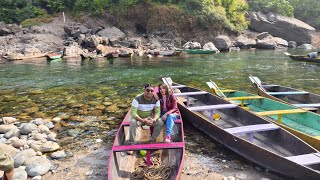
x,y
295,97
199,51
249,135
302,58
302,123
53,56
14,57
122,166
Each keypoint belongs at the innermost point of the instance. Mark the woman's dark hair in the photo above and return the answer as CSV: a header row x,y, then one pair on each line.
x,y
167,90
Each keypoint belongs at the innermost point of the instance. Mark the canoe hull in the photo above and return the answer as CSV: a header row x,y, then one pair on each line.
x,y
245,148
121,165
198,51
303,58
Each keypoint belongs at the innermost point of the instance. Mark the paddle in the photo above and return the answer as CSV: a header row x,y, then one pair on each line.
x,y
255,80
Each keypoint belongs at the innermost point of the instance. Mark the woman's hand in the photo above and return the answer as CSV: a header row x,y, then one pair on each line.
x,y
164,117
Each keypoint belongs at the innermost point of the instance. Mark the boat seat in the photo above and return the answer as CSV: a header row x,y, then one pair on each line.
x,y
280,113
306,159
127,123
287,93
243,98
211,108
188,94
311,105
172,145
252,128
178,86
269,85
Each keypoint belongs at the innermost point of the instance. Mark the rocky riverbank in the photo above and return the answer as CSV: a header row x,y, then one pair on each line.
x,y
98,36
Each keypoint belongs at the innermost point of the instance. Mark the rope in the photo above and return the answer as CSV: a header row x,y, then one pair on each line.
x,y
156,171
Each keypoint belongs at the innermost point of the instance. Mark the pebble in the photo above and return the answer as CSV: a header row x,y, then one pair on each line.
x,y
37,178
37,166
58,155
241,176
28,128
56,119
44,129
20,174
9,120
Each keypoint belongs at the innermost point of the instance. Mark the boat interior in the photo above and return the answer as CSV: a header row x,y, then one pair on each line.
x,y
245,125
123,165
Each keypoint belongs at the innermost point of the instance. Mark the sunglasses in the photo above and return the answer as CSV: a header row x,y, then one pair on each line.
x,y
149,90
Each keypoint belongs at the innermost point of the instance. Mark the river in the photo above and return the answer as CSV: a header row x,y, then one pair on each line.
x,y
91,97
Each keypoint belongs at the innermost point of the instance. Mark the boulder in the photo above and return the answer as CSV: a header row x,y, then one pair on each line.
x,y
281,42
93,41
305,46
244,42
48,146
266,43
72,50
135,42
20,174
22,156
112,33
9,150
210,46
292,44
4,128
222,42
191,45
280,26
5,31
262,35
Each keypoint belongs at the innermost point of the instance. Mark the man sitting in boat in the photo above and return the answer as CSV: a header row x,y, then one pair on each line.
x,y
313,54
145,111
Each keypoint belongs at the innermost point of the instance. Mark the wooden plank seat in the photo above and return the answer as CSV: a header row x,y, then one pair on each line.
x,y
127,123
311,105
243,98
172,145
211,108
177,86
250,129
287,93
306,159
269,85
188,94
280,113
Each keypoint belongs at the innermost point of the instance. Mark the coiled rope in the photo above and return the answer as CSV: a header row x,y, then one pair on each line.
x,y
156,171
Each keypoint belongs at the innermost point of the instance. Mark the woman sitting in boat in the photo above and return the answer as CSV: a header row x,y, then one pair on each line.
x,y
169,109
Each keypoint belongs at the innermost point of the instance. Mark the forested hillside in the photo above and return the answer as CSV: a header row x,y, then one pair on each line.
x,y
223,14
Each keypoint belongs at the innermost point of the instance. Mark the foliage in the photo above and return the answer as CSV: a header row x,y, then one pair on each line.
x,y
308,11
36,21
282,7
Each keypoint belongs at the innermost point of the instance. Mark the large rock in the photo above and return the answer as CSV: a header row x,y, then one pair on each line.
x,y
11,151
4,128
209,46
9,120
28,128
290,29
266,43
72,50
20,174
191,45
305,46
222,42
37,166
292,44
245,42
112,33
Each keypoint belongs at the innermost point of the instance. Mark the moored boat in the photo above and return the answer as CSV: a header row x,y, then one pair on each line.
x,y
199,51
302,123
53,56
288,95
302,58
170,155
249,135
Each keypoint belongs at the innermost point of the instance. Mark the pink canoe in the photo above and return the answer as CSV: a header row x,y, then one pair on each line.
x,y
171,155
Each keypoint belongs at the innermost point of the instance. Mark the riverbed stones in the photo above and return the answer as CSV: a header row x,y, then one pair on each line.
x,y
241,176
48,146
9,120
20,173
11,151
17,143
37,166
22,156
44,129
12,133
4,128
28,128
59,155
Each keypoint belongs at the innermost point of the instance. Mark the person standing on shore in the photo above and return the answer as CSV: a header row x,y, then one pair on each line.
x,y
145,111
6,165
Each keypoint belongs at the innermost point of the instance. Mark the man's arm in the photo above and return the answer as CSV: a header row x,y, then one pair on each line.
x,y
134,109
156,111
